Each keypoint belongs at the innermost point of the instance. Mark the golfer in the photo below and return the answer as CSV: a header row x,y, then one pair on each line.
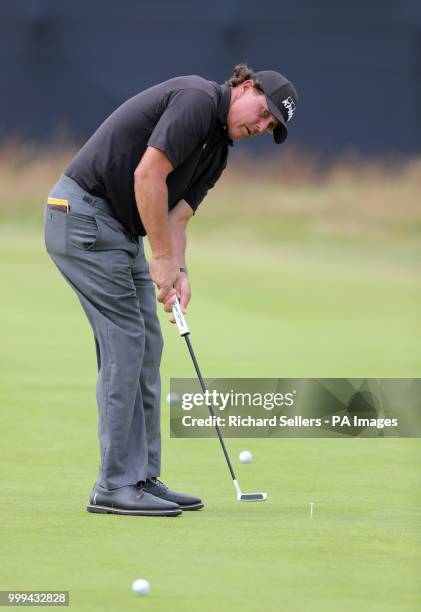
x,y
144,172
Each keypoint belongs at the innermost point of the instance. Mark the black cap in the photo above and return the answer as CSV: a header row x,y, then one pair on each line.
x,y
282,100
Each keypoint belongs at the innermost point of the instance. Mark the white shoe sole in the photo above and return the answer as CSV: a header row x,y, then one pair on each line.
x,y
108,510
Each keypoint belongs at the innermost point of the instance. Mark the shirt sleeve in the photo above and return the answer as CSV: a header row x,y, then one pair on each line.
x,y
194,197
183,125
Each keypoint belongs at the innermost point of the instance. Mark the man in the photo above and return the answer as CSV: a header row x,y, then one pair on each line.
x,y
144,172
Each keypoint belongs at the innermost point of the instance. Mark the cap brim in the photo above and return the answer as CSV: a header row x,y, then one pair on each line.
x,y
281,131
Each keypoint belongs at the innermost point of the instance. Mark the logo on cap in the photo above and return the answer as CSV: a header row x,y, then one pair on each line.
x,y
290,106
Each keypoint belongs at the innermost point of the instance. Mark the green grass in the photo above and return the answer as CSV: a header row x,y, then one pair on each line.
x,y
297,307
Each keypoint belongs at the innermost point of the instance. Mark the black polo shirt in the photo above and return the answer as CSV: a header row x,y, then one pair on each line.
x,y
185,118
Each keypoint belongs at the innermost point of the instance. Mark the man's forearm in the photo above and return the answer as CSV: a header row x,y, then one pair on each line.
x,y
179,241
152,201
178,218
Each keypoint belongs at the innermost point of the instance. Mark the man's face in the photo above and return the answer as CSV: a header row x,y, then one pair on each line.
x,y
249,114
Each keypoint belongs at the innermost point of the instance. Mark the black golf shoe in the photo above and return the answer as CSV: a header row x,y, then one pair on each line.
x,y
160,491
132,499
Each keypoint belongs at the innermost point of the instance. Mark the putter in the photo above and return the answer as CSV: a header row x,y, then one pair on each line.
x,y
185,332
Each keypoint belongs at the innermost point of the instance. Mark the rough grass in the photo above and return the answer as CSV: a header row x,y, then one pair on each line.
x,y
291,197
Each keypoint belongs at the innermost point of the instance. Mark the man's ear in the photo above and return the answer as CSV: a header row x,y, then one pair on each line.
x,y
247,85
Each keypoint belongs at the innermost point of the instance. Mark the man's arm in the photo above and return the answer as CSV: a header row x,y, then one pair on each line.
x,y
178,219
152,201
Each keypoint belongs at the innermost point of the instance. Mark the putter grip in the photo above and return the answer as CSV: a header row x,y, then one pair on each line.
x,y
179,319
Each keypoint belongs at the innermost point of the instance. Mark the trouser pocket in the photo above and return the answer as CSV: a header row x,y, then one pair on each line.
x,y
84,231
55,231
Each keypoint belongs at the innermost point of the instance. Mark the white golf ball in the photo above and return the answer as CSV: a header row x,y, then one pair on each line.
x,y
173,398
246,457
141,586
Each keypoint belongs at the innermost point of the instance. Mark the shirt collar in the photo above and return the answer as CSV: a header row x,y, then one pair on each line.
x,y
223,108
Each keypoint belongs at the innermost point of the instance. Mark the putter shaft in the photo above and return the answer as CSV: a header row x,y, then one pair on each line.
x,y
184,331
202,384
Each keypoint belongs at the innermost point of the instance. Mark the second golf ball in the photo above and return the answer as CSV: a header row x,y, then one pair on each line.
x,y
141,586
246,457
173,398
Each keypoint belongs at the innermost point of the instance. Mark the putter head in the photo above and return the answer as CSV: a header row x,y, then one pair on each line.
x,y
248,496
252,497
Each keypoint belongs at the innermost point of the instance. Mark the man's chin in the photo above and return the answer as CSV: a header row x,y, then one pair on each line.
x,y
237,135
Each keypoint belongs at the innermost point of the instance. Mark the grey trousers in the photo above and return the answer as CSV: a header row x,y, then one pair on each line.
x,y
110,275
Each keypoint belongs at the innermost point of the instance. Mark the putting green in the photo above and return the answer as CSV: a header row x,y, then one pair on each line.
x,y
297,309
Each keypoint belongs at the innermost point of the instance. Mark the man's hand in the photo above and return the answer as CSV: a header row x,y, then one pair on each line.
x,y
165,272
183,292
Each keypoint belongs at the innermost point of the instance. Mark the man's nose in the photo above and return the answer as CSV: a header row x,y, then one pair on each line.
x,y
263,125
